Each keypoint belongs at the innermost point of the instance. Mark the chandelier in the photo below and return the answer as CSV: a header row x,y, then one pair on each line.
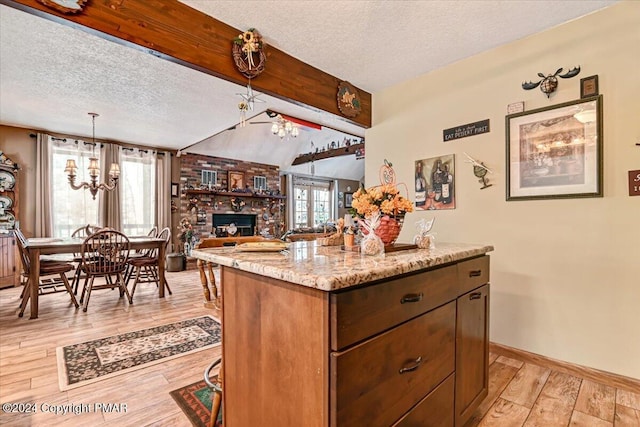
x,y
94,170
283,127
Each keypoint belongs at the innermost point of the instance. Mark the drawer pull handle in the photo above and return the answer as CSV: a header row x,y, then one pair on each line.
x,y
475,273
415,366
475,295
411,298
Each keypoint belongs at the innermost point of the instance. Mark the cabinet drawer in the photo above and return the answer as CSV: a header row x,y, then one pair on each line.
x,y
435,410
473,273
378,381
362,313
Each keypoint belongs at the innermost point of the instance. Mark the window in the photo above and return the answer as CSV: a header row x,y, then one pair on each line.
x,y
259,183
137,191
301,211
85,209
312,202
209,178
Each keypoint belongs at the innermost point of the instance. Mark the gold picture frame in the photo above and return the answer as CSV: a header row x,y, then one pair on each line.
x,y
236,180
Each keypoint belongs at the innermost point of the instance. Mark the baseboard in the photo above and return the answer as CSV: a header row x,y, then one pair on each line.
x,y
603,377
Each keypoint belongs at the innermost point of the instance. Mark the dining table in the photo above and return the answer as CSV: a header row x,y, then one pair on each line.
x,y
37,246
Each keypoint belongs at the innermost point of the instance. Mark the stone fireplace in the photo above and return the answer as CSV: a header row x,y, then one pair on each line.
x,y
245,223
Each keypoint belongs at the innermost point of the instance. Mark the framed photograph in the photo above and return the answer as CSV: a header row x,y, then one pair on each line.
x,y
434,183
556,151
589,86
236,180
348,199
175,189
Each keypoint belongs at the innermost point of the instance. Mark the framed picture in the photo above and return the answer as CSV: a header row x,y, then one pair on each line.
x,y
175,188
236,180
348,199
589,86
555,152
434,183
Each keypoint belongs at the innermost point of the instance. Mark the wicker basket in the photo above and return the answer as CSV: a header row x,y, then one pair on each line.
x,y
389,228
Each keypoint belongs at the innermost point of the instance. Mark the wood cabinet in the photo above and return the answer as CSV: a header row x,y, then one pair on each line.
x,y
9,261
9,204
408,351
472,337
472,352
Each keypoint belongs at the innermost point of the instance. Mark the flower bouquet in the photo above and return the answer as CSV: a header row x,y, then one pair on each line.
x,y
186,235
386,201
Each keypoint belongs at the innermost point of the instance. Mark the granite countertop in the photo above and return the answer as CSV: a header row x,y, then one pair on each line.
x,y
329,268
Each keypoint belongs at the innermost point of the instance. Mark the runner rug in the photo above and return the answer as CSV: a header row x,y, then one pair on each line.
x,y
91,361
195,401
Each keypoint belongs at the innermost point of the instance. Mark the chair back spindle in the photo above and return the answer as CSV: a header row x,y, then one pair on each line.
x,y
105,252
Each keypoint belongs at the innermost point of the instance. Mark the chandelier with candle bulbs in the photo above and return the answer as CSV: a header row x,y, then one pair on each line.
x,y
283,127
94,170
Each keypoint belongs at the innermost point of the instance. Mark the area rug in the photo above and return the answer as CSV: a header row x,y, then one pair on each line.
x,y
195,401
91,361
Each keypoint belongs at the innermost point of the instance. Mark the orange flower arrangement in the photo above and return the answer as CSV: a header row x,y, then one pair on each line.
x,y
385,199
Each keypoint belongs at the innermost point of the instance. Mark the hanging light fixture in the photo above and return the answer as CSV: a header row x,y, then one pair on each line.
x,y
283,127
94,170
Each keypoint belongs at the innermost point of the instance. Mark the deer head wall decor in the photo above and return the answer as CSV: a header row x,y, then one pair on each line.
x,y
549,83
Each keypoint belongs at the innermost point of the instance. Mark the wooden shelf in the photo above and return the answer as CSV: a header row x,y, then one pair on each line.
x,y
336,152
234,194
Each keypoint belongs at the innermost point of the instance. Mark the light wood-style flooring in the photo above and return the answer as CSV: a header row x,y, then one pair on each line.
x,y
519,393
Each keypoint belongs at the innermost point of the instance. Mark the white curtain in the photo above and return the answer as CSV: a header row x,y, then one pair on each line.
x,y
109,206
44,221
137,190
163,176
70,209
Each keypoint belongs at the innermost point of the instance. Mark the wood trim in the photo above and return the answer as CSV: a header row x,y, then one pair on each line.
x,y
174,31
603,377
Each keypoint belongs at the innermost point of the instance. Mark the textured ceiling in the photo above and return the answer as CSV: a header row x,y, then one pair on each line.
x,y
51,75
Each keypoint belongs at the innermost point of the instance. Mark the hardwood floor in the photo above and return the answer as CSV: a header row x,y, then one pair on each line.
x,y
525,394
28,371
520,394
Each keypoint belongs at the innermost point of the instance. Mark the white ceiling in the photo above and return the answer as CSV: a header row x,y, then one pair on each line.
x,y
52,75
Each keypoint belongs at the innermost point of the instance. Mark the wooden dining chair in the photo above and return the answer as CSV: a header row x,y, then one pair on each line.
x,y
216,387
104,255
47,268
139,253
80,232
145,268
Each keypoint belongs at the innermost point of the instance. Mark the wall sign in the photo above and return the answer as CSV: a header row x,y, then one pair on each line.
x,y
463,131
516,107
634,183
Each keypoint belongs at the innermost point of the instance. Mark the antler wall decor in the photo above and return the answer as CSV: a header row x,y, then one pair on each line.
x,y
548,84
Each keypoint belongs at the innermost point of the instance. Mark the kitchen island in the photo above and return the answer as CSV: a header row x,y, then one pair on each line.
x,y
317,336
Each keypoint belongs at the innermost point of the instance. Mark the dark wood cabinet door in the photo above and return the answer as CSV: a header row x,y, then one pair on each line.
x,y
376,382
472,352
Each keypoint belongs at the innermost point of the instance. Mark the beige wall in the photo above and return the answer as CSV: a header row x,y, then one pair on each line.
x,y
21,148
565,273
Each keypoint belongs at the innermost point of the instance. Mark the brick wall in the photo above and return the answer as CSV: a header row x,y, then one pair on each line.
x,y
191,166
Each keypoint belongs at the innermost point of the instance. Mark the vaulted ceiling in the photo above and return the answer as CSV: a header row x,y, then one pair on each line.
x,y
52,75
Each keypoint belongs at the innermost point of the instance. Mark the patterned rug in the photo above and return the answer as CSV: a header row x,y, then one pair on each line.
x,y
195,401
92,361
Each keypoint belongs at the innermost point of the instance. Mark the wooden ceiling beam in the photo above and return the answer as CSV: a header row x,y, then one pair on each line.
x,y
174,31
